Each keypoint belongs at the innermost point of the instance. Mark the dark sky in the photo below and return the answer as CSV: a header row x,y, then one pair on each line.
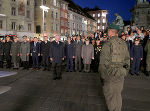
x,y
122,7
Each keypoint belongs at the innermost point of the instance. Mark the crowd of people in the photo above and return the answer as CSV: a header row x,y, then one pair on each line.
x,y
79,52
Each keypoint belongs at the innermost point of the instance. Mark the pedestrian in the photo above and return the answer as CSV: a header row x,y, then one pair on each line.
x,y
136,56
15,53
87,55
97,50
1,53
147,50
35,53
78,50
24,52
57,56
113,67
69,54
7,48
45,50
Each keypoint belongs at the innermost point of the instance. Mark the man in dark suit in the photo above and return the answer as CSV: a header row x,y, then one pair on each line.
x,y
56,56
45,48
7,47
78,50
69,54
35,53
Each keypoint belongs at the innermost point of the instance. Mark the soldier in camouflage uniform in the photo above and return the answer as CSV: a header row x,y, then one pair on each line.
x,y
113,67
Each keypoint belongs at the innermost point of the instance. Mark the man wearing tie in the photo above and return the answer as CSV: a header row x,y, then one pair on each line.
x,y
35,53
57,56
45,48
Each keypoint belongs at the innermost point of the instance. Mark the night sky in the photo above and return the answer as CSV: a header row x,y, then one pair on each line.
x,y
122,7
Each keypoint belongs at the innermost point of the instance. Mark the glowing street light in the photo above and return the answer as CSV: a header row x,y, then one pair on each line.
x,y
45,9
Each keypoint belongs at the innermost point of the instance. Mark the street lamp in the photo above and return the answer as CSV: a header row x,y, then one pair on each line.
x,y
44,9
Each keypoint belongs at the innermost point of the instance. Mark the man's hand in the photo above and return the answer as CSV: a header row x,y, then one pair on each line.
x,y
20,54
27,54
63,59
31,54
39,54
132,59
73,57
141,59
93,58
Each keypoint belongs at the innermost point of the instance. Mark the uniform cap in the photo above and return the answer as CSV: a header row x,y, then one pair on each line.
x,y
137,39
113,26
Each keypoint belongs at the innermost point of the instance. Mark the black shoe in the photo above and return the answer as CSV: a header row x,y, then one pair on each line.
x,y
137,74
55,78
59,78
80,71
132,74
44,69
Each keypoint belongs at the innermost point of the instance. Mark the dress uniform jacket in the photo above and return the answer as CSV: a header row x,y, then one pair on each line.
x,y
24,49
45,48
69,50
15,50
1,51
7,47
87,53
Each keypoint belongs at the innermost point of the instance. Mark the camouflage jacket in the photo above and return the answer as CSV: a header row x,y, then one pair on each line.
x,y
114,55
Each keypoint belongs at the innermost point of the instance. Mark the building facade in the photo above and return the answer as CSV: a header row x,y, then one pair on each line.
x,y
51,23
141,14
77,21
63,17
17,17
100,17
91,26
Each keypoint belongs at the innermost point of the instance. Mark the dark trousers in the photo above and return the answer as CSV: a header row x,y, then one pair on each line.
x,y
1,64
86,67
46,61
26,64
8,60
69,64
78,61
35,60
135,65
56,67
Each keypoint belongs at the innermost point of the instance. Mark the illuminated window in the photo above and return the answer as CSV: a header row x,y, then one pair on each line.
x,y
93,15
104,14
98,20
104,20
103,27
99,15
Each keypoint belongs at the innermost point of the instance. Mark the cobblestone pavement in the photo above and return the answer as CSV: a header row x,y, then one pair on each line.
x,y
36,91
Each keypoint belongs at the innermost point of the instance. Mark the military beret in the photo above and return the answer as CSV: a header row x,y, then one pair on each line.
x,y
113,26
24,36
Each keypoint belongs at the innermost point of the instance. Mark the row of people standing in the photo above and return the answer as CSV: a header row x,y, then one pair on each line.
x,y
136,46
